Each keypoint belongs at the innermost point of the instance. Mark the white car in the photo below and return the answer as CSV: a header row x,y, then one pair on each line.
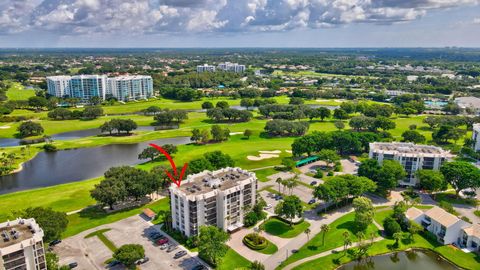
x,y
164,246
267,207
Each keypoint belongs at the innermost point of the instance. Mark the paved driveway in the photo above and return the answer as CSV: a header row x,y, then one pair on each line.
x,y
91,253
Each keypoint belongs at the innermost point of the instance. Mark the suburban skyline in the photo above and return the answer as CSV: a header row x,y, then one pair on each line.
x,y
245,23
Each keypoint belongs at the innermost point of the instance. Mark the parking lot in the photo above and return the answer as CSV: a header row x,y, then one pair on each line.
x,y
91,253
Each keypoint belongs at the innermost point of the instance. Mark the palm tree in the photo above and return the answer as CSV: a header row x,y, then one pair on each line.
x,y
279,181
324,229
346,240
307,232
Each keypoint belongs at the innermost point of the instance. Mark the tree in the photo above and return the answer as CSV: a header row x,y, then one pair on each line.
x,y
290,207
256,265
323,113
384,123
207,105
461,175
109,192
219,134
279,181
389,175
222,104
307,232
152,110
247,102
364,212
445,133
339,125
149,153
92,112
199,165
296,101
212,244
369,168
340,114
328,155
288,163
397,236
29,128
391,226
324,229
196,135
107,127
129,254
347,241
247,133
413,229
170,148
219,160
37,102
413,136
95,100
53,223
431,181
60,114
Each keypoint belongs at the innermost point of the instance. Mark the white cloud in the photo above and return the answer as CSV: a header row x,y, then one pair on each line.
x,y
66,17
476,20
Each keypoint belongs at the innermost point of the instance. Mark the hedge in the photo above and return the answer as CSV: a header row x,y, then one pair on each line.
x,y
249,243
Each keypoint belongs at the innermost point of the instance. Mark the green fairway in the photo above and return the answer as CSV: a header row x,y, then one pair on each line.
x,y
333,238
16,91
458,257
233,261
282,229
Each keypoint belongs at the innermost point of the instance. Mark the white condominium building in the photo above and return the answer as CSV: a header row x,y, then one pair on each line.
x,y
411,156
233,67
21,245
126,88
205,68
86,86
216,198
476,137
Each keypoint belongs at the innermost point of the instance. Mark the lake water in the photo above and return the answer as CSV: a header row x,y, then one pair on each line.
x,y
53,168
71,135
415,259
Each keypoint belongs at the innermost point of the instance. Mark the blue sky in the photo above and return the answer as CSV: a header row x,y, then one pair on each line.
x,y
239,23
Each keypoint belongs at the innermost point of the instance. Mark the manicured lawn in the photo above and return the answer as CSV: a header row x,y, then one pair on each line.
x,y
462,259
381,215
93,217
16,91
450,197
281,229
333,239
264,173
270,249
232,260
100,234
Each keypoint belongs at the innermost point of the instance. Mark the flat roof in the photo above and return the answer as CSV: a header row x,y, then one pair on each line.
x,y
14,232
207,181
408,148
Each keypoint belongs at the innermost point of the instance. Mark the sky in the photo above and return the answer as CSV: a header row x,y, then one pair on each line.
x,y
239,23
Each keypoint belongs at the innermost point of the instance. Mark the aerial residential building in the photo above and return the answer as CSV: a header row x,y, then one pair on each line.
x,y
448,228
84,87
21,245
476,137
470,105
411,156
232,67
216,198
126,88
205,68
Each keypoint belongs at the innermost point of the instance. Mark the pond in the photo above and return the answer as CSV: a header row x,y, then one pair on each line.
x,y
71,135
53,168
414,259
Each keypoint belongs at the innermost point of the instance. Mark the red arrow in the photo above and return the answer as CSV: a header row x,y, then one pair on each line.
x,y
177,179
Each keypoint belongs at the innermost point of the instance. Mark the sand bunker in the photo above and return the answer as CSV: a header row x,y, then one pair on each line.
x,y
4,127
261,157
236,133
288,151
270,152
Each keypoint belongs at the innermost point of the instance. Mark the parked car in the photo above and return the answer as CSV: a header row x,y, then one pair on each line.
x,y
313,183
267,207
72,265
180,254
312,201
314,171
156,236
162,241
200,267
113,263
142,261
164,246
172,248
278,197
55,242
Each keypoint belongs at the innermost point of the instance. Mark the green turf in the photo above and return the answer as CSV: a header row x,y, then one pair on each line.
x,y
270,249
16,91
282,229
233,261
101,235
93,217
381,215
264,173
462,259
333,239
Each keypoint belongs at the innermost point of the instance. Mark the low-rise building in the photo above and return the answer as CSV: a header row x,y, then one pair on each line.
x,y
470,105
216,198
448,228
411,156
21,245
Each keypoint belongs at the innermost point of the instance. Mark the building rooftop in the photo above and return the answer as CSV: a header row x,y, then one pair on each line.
x,y
441,216
465,102
473,230
413,213
408,148
14,232
207,181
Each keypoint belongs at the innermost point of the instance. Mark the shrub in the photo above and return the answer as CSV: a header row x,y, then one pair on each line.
x,y
48,147
330,173
477,213
318,174
391,226
255,241
448,207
